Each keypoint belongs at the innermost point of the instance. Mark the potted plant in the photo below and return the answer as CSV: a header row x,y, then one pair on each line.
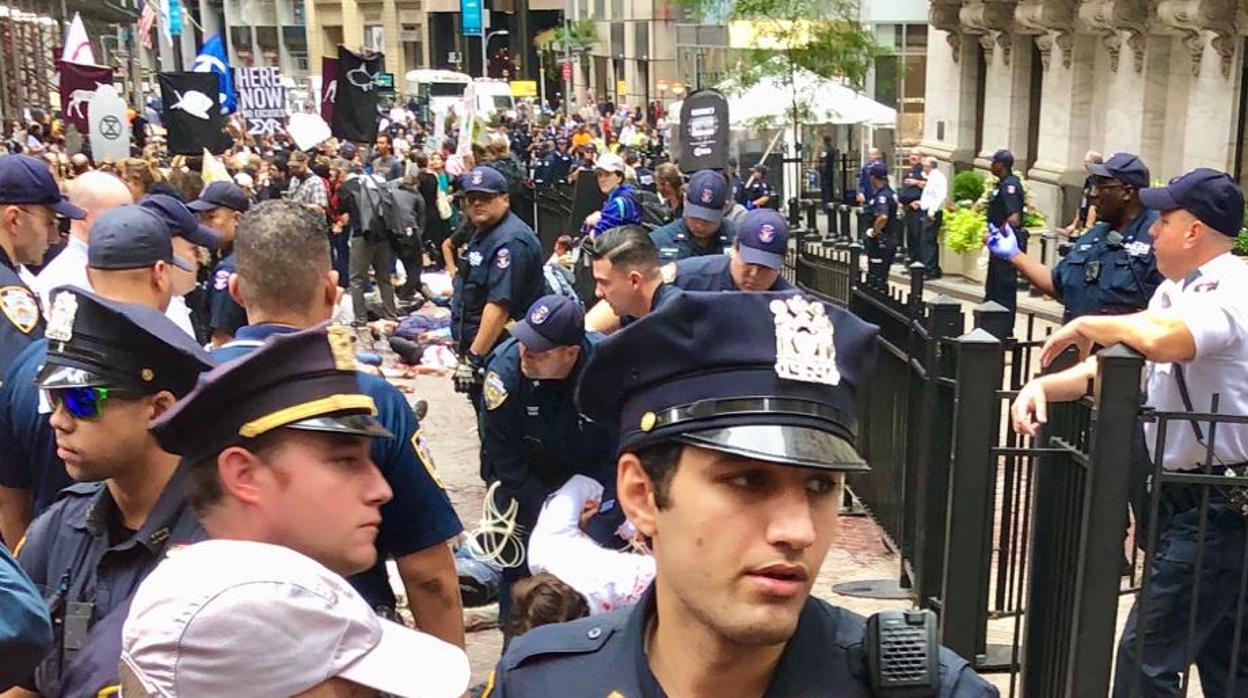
x,y
965,227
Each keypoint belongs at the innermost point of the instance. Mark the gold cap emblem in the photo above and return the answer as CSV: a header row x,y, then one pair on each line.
x,y
648,420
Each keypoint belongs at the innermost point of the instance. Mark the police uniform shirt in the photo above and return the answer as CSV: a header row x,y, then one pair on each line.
x,y
1108,272
502,265
755,190
605,656
675,242
884,203
420,513
709,273
226,314
23,622
20,320
557,165
662,293
1213,302
28,459
1006,198
88,564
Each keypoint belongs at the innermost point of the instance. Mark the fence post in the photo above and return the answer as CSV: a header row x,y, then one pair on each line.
x,y
795,212
916,290
812,218
846,231
968,527
994,318
855,259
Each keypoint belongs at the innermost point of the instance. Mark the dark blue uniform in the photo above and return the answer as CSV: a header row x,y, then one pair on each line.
x,y
20,320
533,439
709,273
605,655
28,459
502,265
755,190
226,315
882,247
87,564
662,293
1108,272
420,514
25,631
555,168
1002,282
675,241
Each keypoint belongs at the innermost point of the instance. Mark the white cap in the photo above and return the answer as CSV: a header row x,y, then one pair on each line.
x,y
609,162
235,618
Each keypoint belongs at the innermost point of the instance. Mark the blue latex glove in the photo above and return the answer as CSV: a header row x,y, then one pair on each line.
x,y
1002,242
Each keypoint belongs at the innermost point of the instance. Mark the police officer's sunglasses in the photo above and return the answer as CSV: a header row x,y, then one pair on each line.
x,y
86,403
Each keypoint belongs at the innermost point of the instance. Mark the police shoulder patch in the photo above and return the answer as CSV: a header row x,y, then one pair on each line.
x,y
20,307
494,391
669,273
1010,189
503,258
220,279
421,446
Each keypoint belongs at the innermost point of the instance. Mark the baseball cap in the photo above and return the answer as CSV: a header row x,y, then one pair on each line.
x,y
705,196
233,618
484,179
763,235
877,169
27,180
1124,167
227,194
610,162
552,321
131,237
1208,194
180,220
1004,157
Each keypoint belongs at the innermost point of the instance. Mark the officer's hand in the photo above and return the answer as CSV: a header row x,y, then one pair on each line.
x,y
1067,335
468,374
1002,242
1030,409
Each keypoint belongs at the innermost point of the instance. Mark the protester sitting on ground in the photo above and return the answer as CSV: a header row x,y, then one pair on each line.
x,y
543,599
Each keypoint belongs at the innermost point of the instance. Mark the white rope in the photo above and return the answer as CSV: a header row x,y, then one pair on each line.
x,y
495,532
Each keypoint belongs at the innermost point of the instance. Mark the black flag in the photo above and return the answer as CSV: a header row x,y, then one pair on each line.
x,y
355,106
704,132
192,114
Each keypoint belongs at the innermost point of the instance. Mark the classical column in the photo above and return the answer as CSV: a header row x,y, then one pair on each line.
x,y
952,72
315,37
352,25
390,44
1007,61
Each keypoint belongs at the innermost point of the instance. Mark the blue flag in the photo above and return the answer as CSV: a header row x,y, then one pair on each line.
x,y
211,59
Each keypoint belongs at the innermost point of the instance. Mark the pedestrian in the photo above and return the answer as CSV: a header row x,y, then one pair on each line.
x,y
670,185
112,369
363,202
1194,336
237,617
1005,207
532,436
829,164
701,228
501,278
385,163
628,280
189,236
908,199
755,263
25,629
620,206
219,207
30,201
882,236
305,186
732,460
932,206
286,285
437,228
1086,215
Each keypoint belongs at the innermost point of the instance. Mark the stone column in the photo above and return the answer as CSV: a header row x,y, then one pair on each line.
x,y
1210,123
1065,113
390,44
949,111
352,25
315,37
1007,60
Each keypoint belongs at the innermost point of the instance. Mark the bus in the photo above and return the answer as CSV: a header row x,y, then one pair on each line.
x,y
444,88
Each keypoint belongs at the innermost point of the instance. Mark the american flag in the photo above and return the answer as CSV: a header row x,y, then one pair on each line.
x,y
146,21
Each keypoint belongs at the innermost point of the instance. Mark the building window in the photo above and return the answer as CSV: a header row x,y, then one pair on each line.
x,y
240,37
299,59
373,37
617,9
641,40
296,10
617,38
266,46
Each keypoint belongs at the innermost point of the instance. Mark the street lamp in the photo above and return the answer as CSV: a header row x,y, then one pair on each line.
x,y
485,42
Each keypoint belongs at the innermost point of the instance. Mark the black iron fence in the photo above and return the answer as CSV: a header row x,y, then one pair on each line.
x,y
1017,543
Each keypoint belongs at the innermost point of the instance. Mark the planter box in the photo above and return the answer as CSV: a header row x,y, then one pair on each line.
x,y
973,266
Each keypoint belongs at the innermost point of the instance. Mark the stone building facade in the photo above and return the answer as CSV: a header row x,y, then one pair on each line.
x,y
1051,79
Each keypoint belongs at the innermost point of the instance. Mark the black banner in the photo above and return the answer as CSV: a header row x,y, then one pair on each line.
x,y
192,114
355,108
78,83
704,132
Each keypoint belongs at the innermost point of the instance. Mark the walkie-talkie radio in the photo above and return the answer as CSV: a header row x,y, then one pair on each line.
x,y
903,655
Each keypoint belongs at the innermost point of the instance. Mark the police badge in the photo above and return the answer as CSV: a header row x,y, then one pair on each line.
x,y
61,318
805,350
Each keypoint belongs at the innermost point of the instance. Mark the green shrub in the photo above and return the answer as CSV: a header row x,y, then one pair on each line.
x,y
968,186
1241,242
965,230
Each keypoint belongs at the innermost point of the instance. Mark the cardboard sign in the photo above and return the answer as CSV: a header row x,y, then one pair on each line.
x,y
262,99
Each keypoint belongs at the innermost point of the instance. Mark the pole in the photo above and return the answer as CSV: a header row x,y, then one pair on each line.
x,y
485,66
567,57
541,76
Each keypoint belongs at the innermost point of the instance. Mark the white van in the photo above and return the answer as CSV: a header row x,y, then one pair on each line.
x,y
494,96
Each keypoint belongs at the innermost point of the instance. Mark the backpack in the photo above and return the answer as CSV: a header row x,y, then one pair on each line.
x,y
560,281
403,210
653,213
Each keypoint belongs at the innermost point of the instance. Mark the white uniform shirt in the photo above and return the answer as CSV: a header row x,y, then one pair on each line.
x,y
934,192
1213,303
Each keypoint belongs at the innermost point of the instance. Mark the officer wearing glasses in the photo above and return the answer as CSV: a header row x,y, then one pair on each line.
x,y
1111,270
29,204
112,369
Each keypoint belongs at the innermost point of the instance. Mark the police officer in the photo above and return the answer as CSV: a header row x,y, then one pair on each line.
x,y
1194,336
501,276
112,369
882,237
732,460
908,197
701,228
189,234
757,192
736,185
25,632
286,284
30,201
1005,207
219,208
1112,269
644,175
559,163
627,277
532,436
755,263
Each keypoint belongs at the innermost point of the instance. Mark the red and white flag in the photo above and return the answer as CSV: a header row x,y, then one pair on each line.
x,y
147,20
77,45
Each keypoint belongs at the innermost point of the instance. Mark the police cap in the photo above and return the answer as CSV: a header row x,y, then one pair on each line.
x,y
1124,167
1003,156
770,376
1208,194
97,342
300,380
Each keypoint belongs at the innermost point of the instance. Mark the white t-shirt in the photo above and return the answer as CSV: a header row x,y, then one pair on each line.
x,y
608,579
1213,303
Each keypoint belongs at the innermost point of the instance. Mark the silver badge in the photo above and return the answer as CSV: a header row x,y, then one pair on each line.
x,y
805,350
61,319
